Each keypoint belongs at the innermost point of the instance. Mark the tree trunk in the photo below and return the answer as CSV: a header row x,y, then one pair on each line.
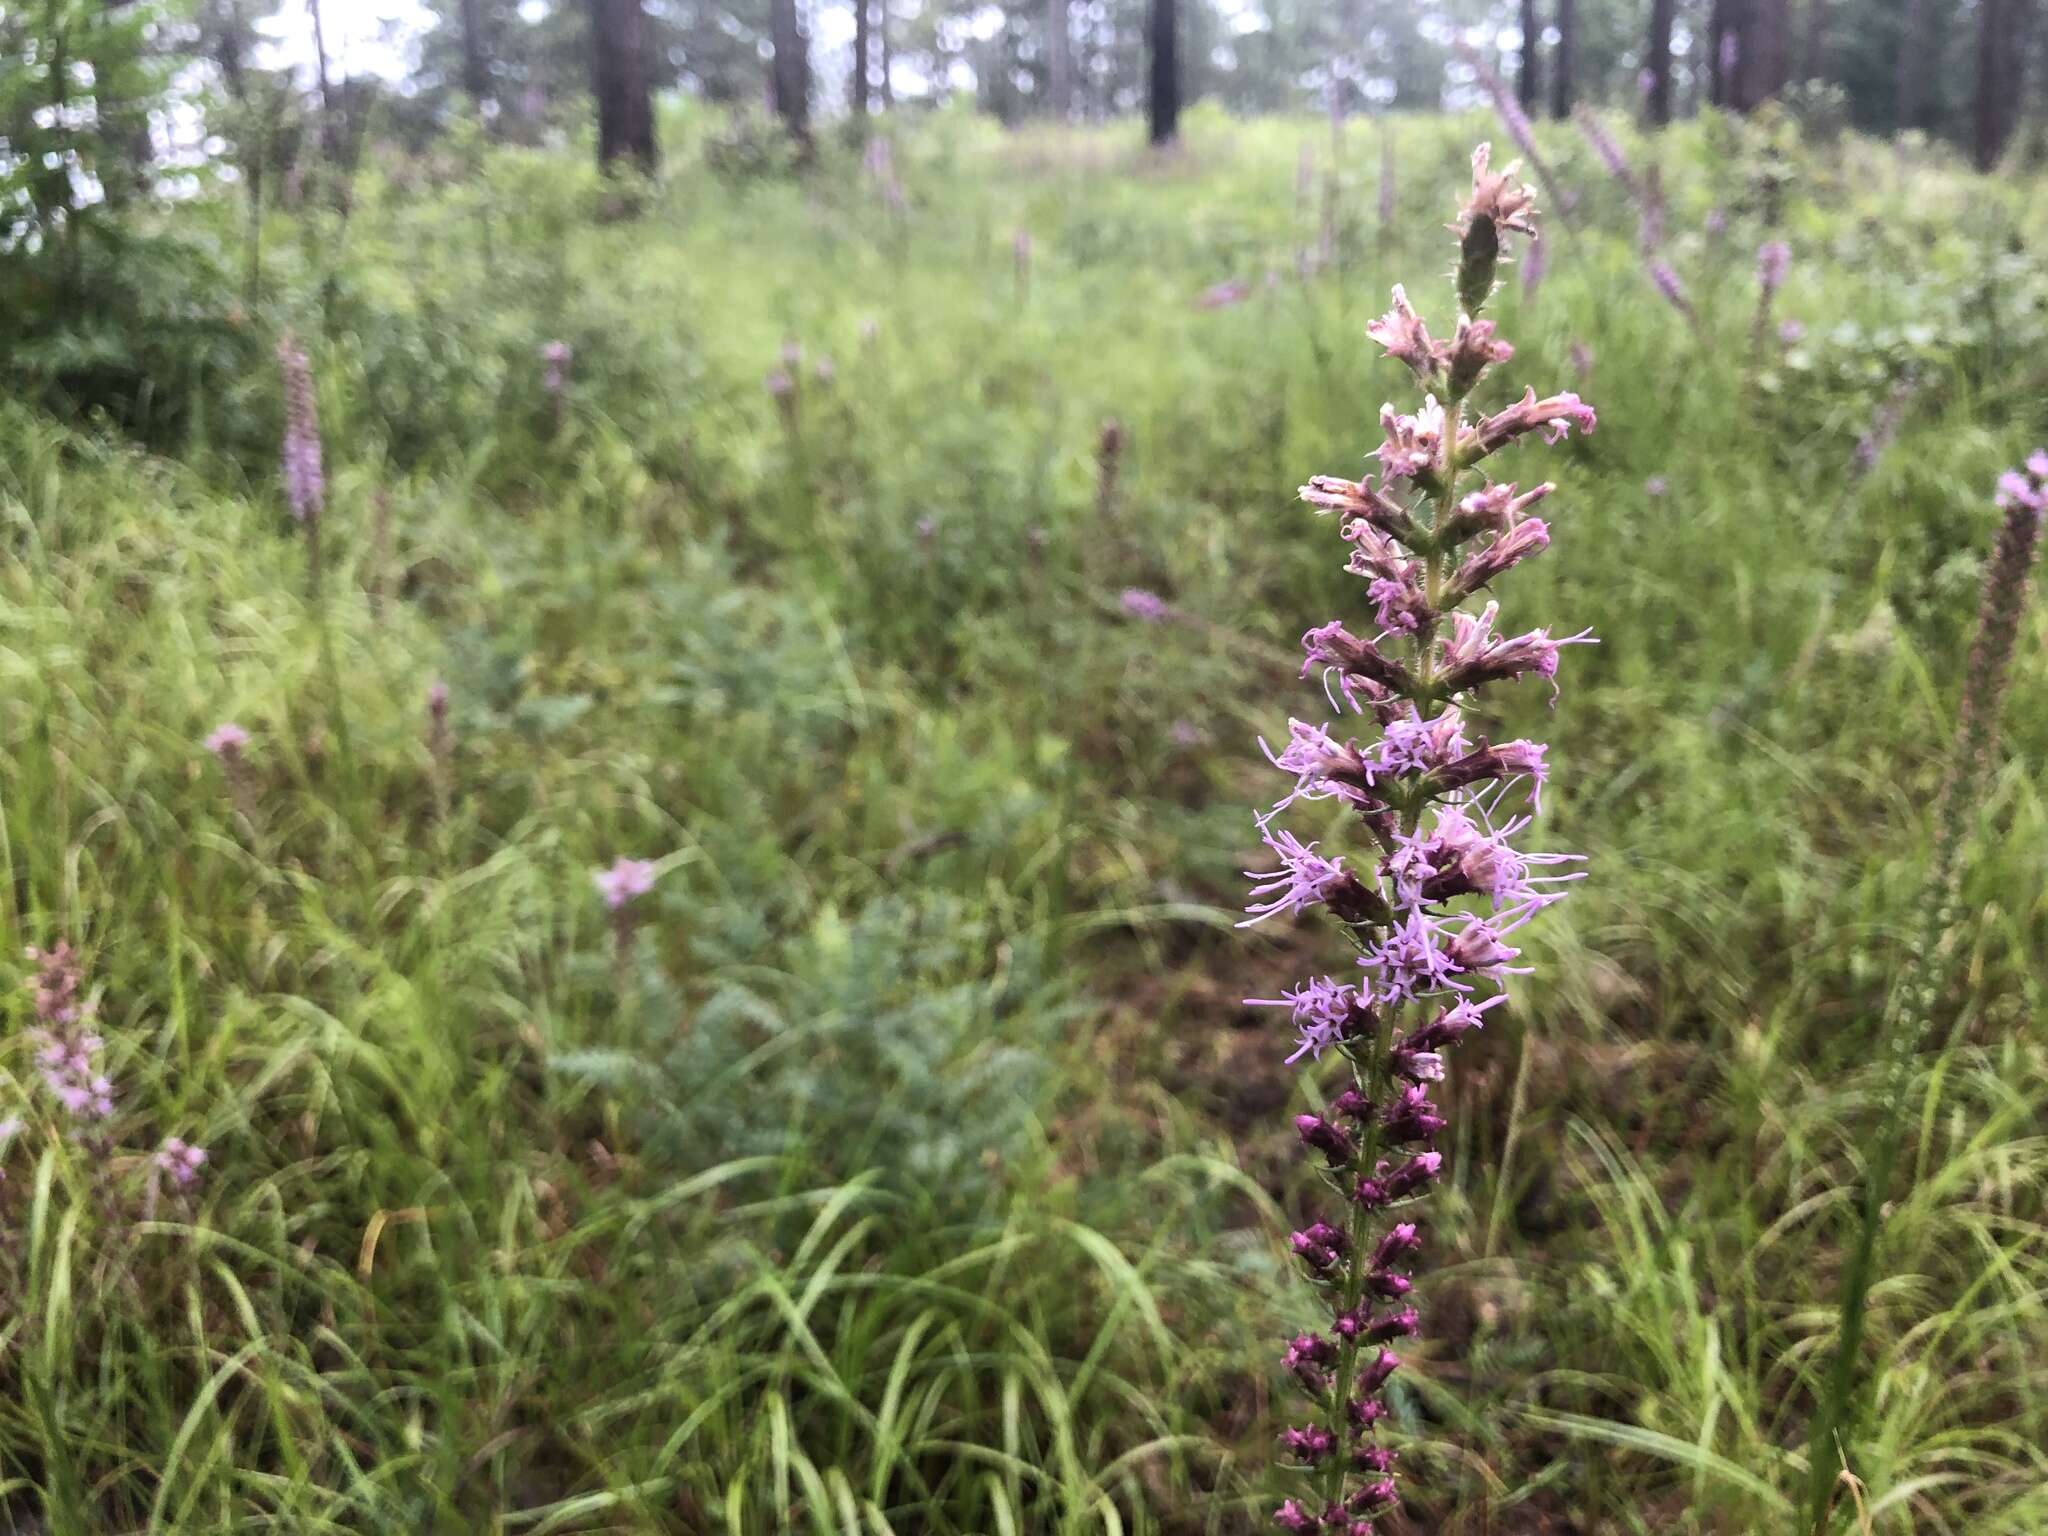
x,y
1059,59
329,127
1906,92
2001,45
857,87
790,70
1529,82
1722,26
1657,61
1561,61
476,78
1163,101
1814,65
623,82
1766,50
888,58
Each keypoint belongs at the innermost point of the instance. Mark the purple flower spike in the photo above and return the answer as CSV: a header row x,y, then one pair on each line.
x,y
1434,880
180,1160
1149,606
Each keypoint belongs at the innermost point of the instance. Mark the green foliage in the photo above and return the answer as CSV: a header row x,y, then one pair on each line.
x,y
914,1165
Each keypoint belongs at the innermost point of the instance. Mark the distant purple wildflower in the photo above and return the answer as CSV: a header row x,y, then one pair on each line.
x,y
1140,604
305,481
1656,486
625,880
1224,295
1773,259
227,740
180,1160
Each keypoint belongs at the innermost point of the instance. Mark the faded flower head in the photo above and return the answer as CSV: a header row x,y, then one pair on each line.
x,y
227,740
1498,198
624,881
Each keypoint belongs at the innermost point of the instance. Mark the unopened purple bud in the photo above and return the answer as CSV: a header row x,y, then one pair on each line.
x,y
1312,1443
1414,1174
1352,1104
1403,1239
1399,1324
1374,1376
1368,1411
1389,1286
1324,1137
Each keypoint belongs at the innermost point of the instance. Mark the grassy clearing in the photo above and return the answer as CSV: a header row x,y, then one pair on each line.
x,y
914,1166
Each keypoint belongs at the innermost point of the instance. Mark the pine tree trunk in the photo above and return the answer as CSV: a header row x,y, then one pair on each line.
x,y
1814,67
1906,92
330,126
790,71
623,82
857,87
1059,59
475,74
1657,60
1529,83
2001,42
888,58
1561,61
1163,101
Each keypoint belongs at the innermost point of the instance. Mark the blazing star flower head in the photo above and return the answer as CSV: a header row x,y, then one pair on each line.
x,y
1414,445
1140,604
1498,196
1304,878
625,880
1791,332
1401,331
1473,348
1324,1010
780,384
1668,284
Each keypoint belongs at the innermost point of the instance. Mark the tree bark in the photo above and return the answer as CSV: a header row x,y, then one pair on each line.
x,y
888,58
2001,54
1766,50
790,71
623,82
1657,60
1906,91
1059,59
1163,99
1561,61
1814,65
857,87
476,79
1529,82
329,126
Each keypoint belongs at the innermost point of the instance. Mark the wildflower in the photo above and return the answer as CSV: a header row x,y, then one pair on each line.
x,y
305,482
1401,331
1604,146
556,357
180,1160
227,740
1666,282
1656,487
1224,295
1140,604
1791,332
1884,426
1535,267
1435,902
824,372
624,881
1773,258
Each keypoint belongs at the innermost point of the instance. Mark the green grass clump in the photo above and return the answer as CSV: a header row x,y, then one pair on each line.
x,y
915,1166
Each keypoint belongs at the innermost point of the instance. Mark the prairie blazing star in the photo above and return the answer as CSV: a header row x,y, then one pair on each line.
x,y
1434,896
